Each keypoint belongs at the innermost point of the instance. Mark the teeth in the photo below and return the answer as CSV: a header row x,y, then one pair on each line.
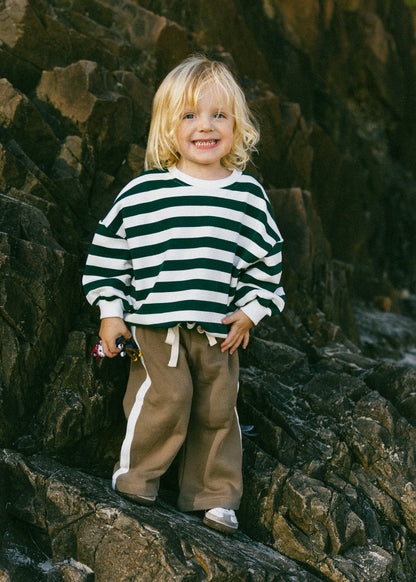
x,y
205,142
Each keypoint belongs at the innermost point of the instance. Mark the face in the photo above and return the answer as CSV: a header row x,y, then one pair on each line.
x,y
204,136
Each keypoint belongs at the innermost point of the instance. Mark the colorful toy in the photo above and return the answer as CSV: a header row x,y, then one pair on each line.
x,y
126,347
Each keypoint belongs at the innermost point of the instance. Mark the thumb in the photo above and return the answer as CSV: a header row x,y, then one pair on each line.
x,y
127,335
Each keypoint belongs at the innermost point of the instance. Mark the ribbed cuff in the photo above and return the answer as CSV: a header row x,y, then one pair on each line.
x,y
255,311
111,308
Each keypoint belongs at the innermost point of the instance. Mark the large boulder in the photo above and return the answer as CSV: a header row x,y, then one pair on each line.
x,y
112,539
37,285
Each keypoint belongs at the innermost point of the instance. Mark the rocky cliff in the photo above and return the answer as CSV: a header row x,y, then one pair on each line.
x,y
329,386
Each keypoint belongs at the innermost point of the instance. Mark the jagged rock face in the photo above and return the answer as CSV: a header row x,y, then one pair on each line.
x,y
329,466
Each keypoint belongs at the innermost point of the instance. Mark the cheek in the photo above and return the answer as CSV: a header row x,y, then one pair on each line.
x,y
175,138
231,131
181,133
231,136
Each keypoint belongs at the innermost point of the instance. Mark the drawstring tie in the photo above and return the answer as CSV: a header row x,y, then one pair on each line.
x,y
172,339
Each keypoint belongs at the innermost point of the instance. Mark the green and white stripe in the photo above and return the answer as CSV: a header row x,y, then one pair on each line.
x,y
175,249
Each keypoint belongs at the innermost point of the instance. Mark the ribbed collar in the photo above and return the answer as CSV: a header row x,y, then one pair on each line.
x,y
223,182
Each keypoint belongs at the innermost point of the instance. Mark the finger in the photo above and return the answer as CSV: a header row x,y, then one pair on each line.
x,y
232,317
126,333
226,344
114,346
107,350
235,345
231,342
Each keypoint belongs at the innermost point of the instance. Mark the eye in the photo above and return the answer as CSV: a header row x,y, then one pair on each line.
x,y
219,115
189,116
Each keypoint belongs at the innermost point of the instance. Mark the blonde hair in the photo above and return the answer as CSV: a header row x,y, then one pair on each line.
x,y
184,84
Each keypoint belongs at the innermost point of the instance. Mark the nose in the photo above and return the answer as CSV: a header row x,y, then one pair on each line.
x,y
205,123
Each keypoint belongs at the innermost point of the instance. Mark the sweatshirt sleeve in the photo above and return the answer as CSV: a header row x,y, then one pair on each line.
x,y
108,272
259,291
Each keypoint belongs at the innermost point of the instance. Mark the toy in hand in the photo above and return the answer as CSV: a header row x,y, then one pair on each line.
x,y
126,347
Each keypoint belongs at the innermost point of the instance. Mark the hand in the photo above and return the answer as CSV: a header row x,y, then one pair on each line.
x,y
112,328
239,331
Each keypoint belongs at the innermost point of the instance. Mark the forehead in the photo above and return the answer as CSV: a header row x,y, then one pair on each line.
x,y
211,95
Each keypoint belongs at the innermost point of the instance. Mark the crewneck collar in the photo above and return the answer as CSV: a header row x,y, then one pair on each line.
x,y
221,183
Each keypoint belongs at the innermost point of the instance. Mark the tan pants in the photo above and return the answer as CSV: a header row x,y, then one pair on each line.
x,y
192,404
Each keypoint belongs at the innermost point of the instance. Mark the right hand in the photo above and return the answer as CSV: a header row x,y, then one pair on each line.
x,y
112,328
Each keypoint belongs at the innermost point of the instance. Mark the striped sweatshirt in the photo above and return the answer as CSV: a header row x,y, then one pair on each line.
x,y
174,249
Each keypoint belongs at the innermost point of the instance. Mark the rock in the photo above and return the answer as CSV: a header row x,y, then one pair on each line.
x,y
26,25
22,122
307,503
285,136
23,181
35,287
398,385
70,571
73,172
83,95
200,18
21,74
389,335
350,127
313,275
351,457
112,538
274,357
78,399
307,247
327,388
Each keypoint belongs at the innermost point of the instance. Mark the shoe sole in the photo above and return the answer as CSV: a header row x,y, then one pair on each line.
x,y
222,527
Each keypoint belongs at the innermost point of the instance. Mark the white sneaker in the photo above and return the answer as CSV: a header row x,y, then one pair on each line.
x,y
221,519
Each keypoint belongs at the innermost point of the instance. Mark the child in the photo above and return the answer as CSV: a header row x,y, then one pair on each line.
x,y
189,257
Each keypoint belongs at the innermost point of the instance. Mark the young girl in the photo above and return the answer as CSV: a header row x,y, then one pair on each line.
x,y
187,260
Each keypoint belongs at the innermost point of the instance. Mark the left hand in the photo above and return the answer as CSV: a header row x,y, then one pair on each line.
x,y
239,331
111,328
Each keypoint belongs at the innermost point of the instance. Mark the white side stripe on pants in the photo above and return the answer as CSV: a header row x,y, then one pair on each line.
x,y
131,426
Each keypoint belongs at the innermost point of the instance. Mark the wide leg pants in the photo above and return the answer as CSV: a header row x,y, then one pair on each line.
x,y
190,407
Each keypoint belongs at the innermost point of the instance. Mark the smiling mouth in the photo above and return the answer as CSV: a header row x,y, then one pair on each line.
x,y
205,143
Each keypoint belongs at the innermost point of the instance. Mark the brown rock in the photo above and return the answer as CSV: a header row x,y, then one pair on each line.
x,y
302,20
36,282
84,95
229,33
33,33
22,122
81,518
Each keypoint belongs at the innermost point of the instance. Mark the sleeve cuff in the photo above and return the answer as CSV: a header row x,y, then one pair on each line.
x,y
255,311
111,308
